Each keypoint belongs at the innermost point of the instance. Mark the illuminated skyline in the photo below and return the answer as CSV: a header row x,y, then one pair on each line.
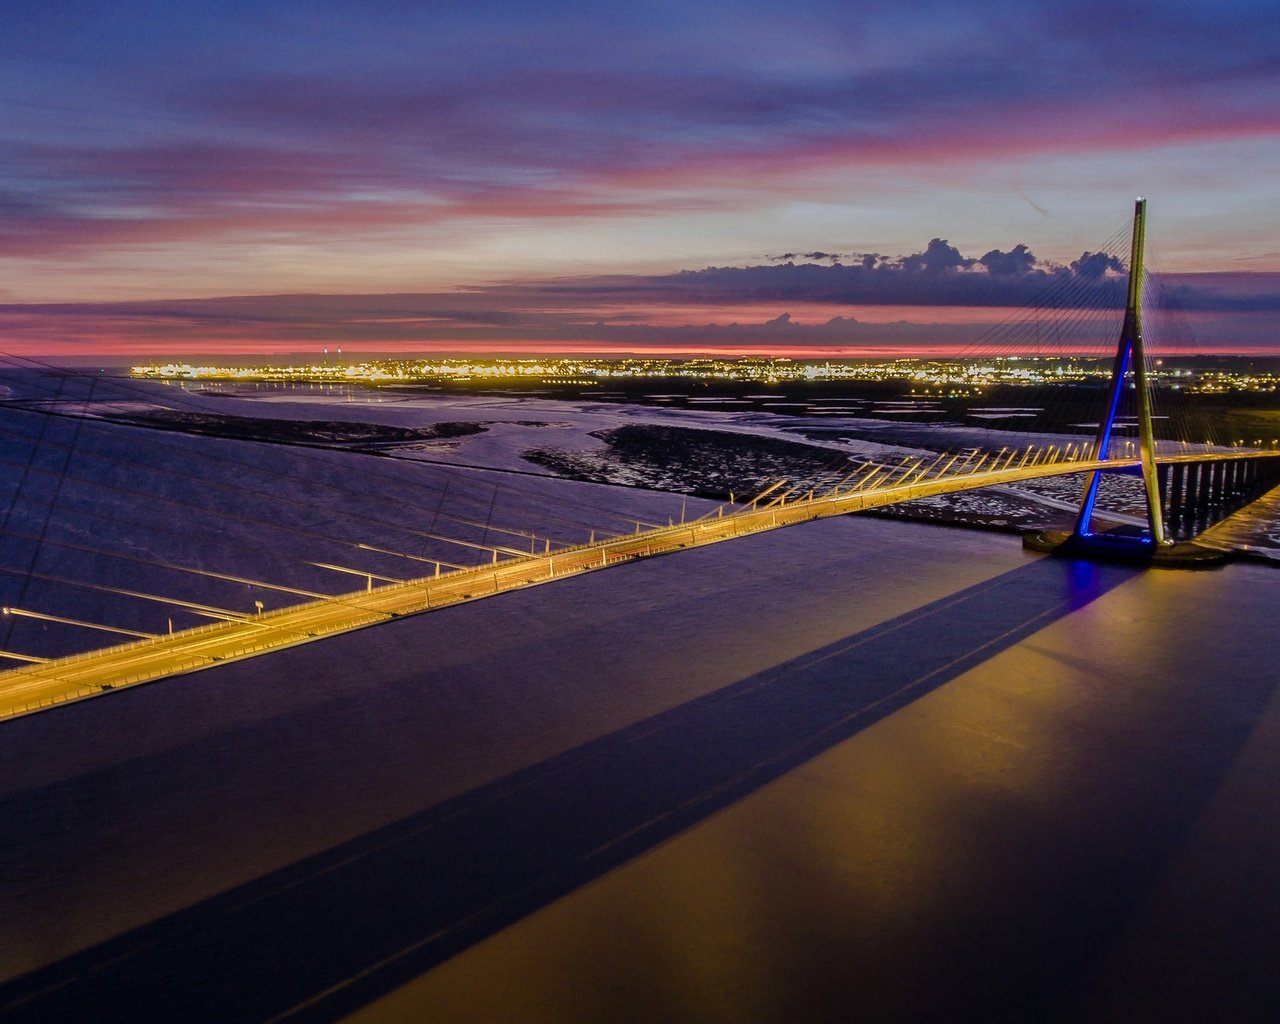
x,y
545,178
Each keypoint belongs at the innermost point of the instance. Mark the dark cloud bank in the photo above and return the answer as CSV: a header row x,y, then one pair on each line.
x,y
1233,309
939,275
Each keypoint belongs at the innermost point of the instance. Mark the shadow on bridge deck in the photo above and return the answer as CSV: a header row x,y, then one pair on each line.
x,y
332,932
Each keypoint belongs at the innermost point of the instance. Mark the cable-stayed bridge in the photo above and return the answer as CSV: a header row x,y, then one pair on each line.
x,y
1186,488
43,683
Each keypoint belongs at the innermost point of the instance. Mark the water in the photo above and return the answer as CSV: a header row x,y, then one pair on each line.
x,y
858,768
1080,753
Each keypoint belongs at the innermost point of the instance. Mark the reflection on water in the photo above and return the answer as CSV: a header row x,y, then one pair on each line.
x,y
1035,840
783,780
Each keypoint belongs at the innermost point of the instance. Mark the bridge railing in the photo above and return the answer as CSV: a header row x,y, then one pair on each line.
x,y
237,637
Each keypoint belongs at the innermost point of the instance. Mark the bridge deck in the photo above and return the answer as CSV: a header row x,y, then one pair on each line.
x,y
36,687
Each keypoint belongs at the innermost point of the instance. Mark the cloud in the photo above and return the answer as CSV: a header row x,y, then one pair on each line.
x,y
789,257
1014,263
939,257
1230,292
938,275
310,123
1091,266
802,306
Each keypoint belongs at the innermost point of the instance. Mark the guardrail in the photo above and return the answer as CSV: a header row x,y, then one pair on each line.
x,y
288,626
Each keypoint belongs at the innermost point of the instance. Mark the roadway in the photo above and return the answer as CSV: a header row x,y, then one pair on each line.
x,y
37,687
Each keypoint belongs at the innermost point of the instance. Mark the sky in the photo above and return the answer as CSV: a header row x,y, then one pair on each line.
x,y
257,179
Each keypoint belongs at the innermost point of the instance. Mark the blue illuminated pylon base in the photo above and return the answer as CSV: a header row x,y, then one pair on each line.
x,y
1129,545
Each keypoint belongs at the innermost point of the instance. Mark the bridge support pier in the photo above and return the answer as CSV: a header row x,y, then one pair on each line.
x,y
1202,493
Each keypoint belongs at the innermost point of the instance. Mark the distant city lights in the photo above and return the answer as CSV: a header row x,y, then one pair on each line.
x,y
923,374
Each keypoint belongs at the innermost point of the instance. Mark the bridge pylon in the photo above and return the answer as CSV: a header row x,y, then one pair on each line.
x,y
1129,362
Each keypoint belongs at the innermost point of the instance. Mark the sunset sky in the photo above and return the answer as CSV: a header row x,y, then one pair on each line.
x,y
202,178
